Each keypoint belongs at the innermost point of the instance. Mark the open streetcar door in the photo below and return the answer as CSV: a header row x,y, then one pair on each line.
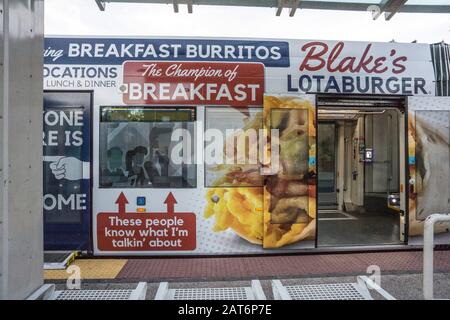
x,y
428,159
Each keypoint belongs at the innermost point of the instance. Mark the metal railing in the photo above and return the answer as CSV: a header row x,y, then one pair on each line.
x,y
428,246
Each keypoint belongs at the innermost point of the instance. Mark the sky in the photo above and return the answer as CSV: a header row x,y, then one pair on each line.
x,y
82,17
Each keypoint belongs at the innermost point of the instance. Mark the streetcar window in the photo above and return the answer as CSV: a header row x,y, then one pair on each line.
x,y
147,147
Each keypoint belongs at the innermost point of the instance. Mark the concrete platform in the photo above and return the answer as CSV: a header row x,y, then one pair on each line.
x,y
401,286
244,268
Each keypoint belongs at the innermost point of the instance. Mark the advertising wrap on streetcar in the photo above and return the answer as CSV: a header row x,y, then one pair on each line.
x,y
170,116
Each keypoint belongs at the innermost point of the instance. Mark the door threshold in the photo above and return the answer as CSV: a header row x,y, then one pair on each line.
x,y
356,248
59,260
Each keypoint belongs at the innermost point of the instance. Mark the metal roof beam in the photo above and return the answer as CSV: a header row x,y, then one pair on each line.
x,y
187,2
294,7
280,7
101,4
391,7
316,5
291,4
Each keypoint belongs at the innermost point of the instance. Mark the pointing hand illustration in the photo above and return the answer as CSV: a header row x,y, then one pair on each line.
x,y
68,168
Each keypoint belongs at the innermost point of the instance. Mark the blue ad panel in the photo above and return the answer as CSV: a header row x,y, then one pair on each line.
x,y
116,51
66,173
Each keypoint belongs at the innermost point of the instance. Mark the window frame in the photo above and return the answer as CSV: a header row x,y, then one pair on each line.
x,y
192,109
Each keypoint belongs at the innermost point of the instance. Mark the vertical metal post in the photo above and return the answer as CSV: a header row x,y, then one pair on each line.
x,y
4,26
428,239
428,244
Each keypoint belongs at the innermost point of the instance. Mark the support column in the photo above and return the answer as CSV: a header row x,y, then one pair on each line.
x,y
21,221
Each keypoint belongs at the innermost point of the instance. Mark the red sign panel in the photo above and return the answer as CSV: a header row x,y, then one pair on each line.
x,y
187,83
133,231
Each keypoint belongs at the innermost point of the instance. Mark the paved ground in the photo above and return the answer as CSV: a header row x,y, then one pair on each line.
x,y
239,268
244,268
401,286
401,271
